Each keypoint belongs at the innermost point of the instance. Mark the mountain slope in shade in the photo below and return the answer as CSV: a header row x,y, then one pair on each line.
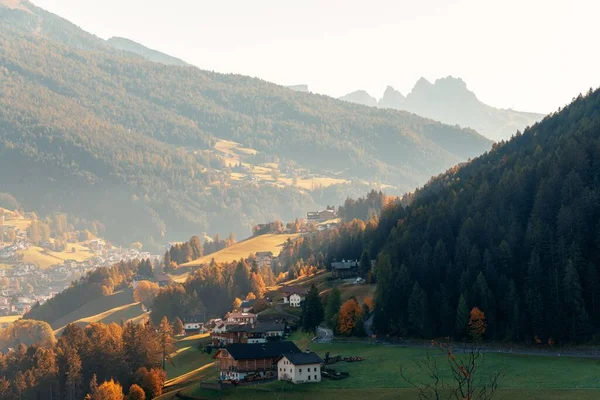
x,y
149,54
25,17
360,97
448,100
513,232
109,136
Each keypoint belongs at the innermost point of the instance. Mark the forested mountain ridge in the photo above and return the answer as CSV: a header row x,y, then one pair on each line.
x,y
110,136
141,50
514,232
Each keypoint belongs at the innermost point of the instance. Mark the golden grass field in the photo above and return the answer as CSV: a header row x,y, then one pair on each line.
x,y
314,183
232,154
101,305
46,258
231,151
125,313
9,319
13,220
270,242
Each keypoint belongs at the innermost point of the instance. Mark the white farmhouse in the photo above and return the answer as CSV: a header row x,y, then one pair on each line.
x,y
294,295
299,367
295,300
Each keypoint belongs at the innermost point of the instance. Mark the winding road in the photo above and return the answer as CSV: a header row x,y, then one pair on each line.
x,y
324,335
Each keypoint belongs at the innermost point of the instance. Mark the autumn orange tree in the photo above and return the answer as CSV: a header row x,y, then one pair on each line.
x,y
109,390
136,393
145,292
477,324
368,301
178,328
167,344
350,313
151,380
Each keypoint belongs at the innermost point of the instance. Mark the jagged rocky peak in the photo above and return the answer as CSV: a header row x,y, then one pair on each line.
x,y
454,87
392,99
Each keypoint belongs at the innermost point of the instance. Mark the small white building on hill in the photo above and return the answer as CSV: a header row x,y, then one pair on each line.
x,y
294,295
299,367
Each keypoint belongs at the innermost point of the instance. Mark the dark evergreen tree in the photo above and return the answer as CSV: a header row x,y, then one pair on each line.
x,y
334,302
462,318
417,311
312,311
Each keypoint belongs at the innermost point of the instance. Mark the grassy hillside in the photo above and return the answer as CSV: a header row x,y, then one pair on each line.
x,y
46,258
14,220
97,307
118,315
131,143
269,242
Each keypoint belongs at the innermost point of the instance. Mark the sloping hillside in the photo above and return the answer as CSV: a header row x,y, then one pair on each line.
x,y
99,306
119,315
515,233
115,138
149,54
270,242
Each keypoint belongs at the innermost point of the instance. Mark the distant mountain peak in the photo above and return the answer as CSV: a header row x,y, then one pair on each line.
x,y
451,81
450,101
392,99
421,83
360,97
449,87
390,90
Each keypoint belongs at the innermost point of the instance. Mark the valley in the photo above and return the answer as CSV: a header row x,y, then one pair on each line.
x,y
180,231
154,160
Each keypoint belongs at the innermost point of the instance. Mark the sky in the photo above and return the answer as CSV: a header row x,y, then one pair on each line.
x,y
527,55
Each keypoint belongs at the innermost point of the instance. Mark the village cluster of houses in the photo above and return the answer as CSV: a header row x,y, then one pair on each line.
x,y
252,349
25,283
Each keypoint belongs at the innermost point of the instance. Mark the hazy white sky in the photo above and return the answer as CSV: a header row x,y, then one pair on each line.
x,y
532,55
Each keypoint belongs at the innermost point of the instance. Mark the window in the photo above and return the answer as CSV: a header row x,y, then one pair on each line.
x,y
309,377
315,377
300,370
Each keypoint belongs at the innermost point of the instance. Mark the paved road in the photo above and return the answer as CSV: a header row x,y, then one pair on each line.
x,y
324,335
488,348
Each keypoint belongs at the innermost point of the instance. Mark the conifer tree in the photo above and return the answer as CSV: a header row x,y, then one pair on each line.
x,y
178,328
417,310
334,302
167,345
462,318
312,311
